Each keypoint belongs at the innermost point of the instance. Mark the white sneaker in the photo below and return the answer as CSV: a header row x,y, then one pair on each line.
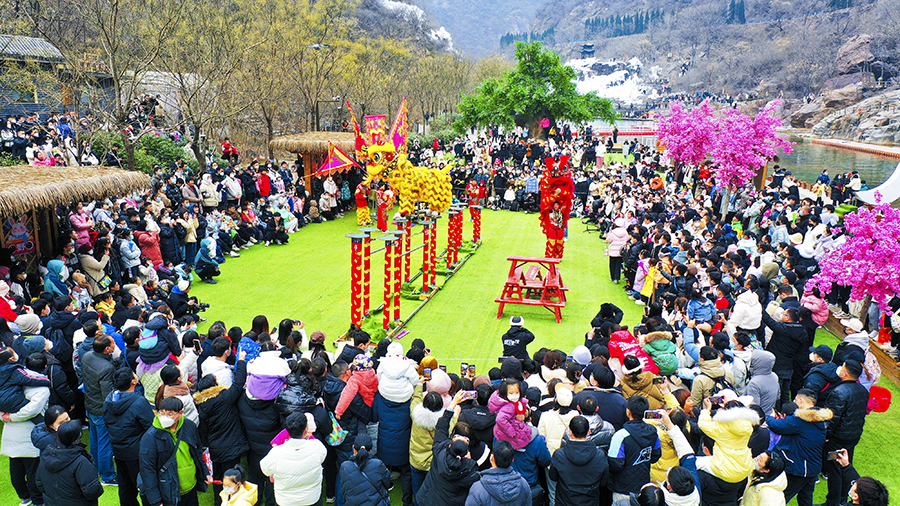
x,y
253,240
640,303
235,254
268,243
245,247
25,502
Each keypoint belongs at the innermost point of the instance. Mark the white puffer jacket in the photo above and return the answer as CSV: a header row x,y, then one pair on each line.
x,y
397,378
747,313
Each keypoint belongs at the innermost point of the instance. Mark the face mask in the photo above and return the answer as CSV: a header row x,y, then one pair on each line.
x,y
64,274
229,490
166,421
513,397
812,357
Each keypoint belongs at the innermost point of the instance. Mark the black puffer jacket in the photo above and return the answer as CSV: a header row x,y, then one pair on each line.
x,y
220,424
67,476
128,415
365,487
482,422
261,423
166,342
168,244
298,395
581,469
848,402
787,343
449,479
615,315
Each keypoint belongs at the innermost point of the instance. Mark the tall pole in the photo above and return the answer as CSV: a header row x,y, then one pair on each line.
x,y
388,284
367,268
426,255
356,273
398,262
403,245
407,238
476,232
451,236
433,256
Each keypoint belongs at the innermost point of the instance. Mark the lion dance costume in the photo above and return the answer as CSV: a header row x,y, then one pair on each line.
x,y
557,193
362,205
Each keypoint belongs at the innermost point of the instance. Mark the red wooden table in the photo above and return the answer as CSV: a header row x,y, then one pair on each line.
x,y
534,281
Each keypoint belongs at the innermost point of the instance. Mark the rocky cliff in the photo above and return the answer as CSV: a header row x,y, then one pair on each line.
x,y
875,120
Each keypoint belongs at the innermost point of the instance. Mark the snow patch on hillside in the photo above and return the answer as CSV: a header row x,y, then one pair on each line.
x,y
623,82
416,16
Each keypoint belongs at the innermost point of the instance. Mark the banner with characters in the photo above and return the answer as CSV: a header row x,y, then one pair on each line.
x,y
18,235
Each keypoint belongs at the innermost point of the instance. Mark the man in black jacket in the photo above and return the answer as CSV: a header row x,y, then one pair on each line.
x,y
361,341
579,468
164,466
516,339
98,371
65,474
128,415
633,449
788,343
848,402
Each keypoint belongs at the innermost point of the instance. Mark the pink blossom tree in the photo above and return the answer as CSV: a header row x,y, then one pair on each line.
x,y
869,260
743,145
688,135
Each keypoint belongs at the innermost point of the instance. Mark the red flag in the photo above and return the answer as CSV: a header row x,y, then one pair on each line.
x,y
337,161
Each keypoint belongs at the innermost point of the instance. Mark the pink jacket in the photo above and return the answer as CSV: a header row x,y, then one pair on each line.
x,y
817,305
507,428
365,383
617,239
81,222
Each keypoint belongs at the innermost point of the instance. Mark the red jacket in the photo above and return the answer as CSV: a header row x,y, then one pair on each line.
x,y
149,244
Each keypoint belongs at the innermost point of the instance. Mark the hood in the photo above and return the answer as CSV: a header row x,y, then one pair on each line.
x,y
860,339
60,319
209,393
425,418
749,298
479,418
57,459
761,362
779,483
736,415
118,402
393,367
712,368
673,499
657,336
55,267
814,414
501,484
581,452
644,380
158,322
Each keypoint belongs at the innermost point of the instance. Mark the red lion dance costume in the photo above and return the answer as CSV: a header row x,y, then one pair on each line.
x,y
557,192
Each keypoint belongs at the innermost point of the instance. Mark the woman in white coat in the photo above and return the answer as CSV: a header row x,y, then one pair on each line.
x,y
16,444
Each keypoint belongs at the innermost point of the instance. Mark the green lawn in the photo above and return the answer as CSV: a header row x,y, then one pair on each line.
x,y
308,279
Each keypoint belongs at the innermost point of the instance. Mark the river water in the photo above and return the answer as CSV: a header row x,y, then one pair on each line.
x,y
805,162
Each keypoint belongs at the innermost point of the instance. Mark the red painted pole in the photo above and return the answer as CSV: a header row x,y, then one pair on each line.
x,y
433,255
451,236
407,238
476,232
398,263
426,255
356,272
388,285
367,268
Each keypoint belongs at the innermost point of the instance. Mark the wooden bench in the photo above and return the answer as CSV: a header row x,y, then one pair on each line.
x,y
534,281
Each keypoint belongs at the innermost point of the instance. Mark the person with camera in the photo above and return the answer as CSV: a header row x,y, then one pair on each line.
x,y
859,489
848,403
633,449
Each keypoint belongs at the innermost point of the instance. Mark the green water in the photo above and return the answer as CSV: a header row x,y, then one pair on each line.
x,y
808,160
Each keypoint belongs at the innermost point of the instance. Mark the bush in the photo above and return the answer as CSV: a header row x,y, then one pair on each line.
x,y
440,128
143,161
163,149
9,160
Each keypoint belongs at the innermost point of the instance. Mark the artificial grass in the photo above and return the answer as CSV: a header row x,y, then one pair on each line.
x,y
309,278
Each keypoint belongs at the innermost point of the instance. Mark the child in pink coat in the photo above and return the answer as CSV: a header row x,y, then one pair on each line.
x,y
362,381
511,409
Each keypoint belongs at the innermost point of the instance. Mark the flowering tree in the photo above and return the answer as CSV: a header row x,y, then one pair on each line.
x,y
743,145
869,260
688,135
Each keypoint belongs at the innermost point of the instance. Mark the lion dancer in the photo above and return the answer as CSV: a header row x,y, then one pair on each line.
x,y
556,232
385,200
557,193
472,192
362,205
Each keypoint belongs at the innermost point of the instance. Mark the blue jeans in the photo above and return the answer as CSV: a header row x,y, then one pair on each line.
x,y
101,449
418,478
342,456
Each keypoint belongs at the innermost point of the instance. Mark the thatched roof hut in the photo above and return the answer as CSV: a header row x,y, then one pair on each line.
x,y
24,188
314,143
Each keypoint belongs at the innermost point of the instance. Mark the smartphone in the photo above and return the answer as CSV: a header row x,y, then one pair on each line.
x,y
472,369
298,322
658,380
833,455
427,374
501,359
463,369
197,347
652,414
443,367
469,395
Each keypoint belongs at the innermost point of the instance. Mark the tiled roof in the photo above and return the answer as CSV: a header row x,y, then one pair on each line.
x,y
17,46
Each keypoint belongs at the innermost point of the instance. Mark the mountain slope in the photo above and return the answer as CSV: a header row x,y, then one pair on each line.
x,y
476,26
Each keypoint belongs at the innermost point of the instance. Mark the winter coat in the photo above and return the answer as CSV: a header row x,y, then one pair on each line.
x,y
261,423
600,432
60,328
394,429
128,416
66,476
53,280
16,438
81,223
817,305
763,385
365,383
296,466
94,271
617,239
554,427
643,385
580,470
732,460
610,404
367,486
220,424
149,244
515,342
747,312
802,439
705,383
766,494
42,436
788,343
98,371
499,487
622,344
449,478
166,341
421,436
616,318
481,420
168,244
246,495
161,484
507,428
821,377
297,396
397,378
633,449
266,375
131,254
847,402
663,351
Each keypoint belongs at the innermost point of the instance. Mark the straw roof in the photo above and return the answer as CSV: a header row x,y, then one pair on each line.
x,y
314,143
26,187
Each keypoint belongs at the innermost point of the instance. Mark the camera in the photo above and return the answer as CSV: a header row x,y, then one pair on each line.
x,y
202,306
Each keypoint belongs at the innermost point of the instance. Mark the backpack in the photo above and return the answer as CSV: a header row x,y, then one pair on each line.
x,y
719,384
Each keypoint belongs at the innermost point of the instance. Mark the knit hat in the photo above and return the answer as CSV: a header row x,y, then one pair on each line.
x,y
440,382
619,222
34,344
511,368
516,321
582,355
796,238
428,361
362,362
563,396
29,324
317,337
395,348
